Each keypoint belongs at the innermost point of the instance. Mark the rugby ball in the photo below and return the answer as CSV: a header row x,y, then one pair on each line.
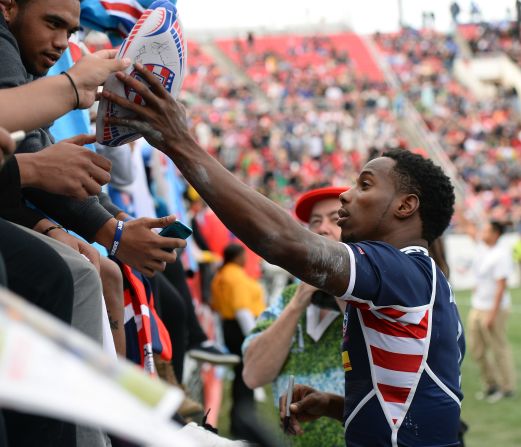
x,y
156,42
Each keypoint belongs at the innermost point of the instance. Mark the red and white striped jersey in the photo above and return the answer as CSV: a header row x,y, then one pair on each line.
x,y
403,338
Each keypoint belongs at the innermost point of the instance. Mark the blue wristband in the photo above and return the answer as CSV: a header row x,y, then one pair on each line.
x,y
117,237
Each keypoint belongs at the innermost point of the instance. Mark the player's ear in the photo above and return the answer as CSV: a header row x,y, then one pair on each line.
x,y
409,204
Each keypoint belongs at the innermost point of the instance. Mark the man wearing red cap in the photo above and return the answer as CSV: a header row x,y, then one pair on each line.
x,y
297,335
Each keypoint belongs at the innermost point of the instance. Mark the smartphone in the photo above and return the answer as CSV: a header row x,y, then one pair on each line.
x,y
177,230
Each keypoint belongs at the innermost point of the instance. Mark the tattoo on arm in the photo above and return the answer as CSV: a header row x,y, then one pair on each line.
x,y
114,324
327,266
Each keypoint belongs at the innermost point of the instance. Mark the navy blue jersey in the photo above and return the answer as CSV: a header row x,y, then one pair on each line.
x,y
403,347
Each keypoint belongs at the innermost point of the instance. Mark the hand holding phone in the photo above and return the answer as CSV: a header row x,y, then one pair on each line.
x,y
176,230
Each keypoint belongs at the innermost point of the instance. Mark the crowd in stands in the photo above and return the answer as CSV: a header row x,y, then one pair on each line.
x,y
315,119
493,37
318,117
481,137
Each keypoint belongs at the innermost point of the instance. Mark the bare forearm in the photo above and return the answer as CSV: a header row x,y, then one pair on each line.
x,y
268,352
256,220
261,224
36,104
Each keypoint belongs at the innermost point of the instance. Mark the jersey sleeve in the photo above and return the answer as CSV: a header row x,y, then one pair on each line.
x,y
383,276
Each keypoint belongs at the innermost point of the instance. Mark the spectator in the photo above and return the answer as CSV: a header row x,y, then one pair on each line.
x,y
25,34
238,300
48,285
455,11
475,12
295,336
487,320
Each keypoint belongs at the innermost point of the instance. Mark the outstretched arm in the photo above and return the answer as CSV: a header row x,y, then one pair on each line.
x,y
261,224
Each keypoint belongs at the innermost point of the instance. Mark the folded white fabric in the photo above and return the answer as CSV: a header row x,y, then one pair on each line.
x,y
208,438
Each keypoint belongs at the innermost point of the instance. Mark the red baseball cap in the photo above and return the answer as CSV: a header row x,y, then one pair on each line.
x,y
307,201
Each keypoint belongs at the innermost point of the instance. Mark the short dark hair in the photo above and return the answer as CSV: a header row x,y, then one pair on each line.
x,y
498,227
232,252
22,3
420,176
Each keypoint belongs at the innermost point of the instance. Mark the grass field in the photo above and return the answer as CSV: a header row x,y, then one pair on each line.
x,y
496,424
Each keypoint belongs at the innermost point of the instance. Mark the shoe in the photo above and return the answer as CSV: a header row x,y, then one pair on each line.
x,y
482,395
207,438
494,397
189,408
207,351
509,394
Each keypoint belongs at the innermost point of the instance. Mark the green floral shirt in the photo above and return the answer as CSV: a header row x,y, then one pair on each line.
x,y
314,363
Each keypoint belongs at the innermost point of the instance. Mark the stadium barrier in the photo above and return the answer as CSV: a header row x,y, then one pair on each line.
x,y
461,250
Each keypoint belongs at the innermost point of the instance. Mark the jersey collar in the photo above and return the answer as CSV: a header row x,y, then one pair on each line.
x,y
414,249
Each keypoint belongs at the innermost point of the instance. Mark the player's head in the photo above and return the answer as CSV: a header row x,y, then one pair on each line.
x,y
42,29
398,197
492,231
319,209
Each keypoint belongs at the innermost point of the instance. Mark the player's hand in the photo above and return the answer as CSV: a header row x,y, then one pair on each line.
x,y
66,168
7,145
143,249
92,70
307,405
162,121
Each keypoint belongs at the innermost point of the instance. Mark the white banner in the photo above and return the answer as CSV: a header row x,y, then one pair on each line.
x,y
47,368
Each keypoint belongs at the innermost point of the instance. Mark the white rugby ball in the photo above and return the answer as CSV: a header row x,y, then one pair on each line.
x,y
157,42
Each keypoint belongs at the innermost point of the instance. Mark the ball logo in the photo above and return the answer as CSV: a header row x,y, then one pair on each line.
x,y
163,74
157,43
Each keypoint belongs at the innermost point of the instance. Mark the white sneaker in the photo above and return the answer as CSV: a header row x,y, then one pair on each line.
x,y
494,397
208,438
483,395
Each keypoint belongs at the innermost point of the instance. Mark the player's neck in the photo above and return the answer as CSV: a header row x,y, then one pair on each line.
x,y
403,242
